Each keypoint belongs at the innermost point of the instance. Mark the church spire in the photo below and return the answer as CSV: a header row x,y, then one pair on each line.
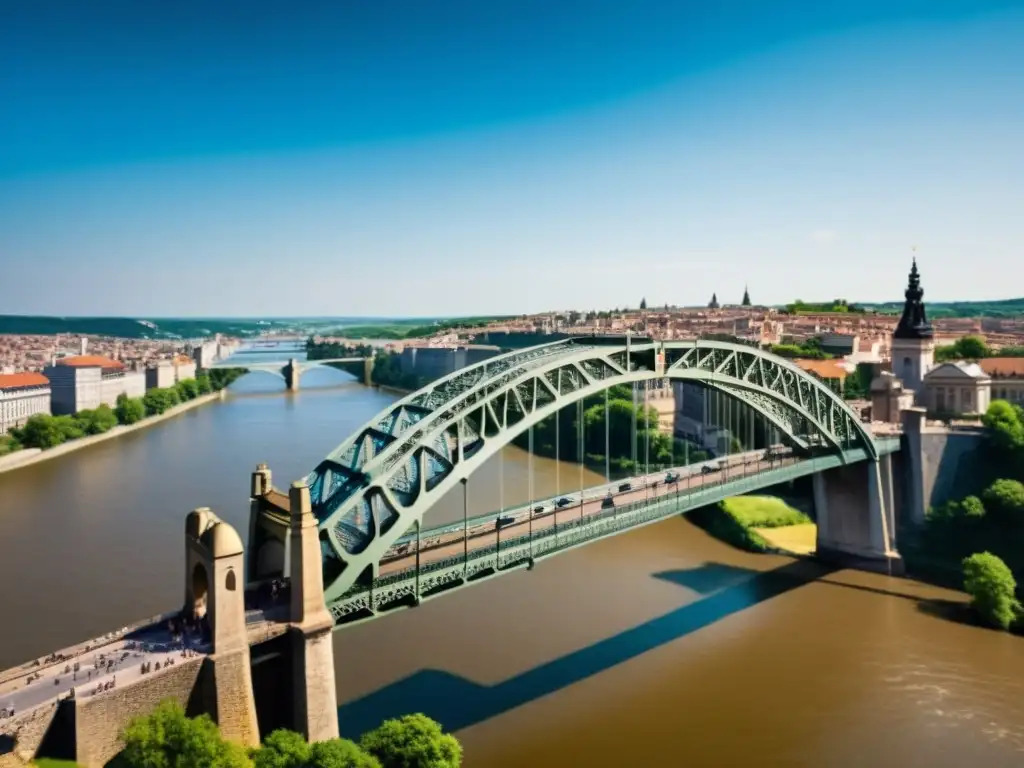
x,y
713,304
914,322
746,297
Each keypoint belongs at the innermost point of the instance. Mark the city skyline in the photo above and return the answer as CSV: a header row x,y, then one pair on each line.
x,y
335,163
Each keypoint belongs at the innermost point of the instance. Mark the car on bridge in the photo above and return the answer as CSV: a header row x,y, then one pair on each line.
x,y
707,469
538,510
608,502
625,487
504,521
565,501
671,477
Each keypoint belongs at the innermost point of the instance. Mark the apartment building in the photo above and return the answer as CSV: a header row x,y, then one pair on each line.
x,y
83,382
22,395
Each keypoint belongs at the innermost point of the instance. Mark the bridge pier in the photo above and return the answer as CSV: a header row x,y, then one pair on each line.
x,y
291,372
855,509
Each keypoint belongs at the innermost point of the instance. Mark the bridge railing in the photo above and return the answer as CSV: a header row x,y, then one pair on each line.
x,y
520,549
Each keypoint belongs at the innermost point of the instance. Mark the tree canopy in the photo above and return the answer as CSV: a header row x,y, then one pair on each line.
x,y
412,741
992,588
168,739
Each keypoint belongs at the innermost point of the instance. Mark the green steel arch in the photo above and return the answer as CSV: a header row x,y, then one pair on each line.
x,y
381,481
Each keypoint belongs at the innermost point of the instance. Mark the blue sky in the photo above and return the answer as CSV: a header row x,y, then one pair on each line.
x,y
409,158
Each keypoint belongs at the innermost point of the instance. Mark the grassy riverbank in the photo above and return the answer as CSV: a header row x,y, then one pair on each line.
x,y
29,456
758,524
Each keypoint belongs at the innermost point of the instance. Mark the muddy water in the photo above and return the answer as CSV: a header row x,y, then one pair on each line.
x,y
661,647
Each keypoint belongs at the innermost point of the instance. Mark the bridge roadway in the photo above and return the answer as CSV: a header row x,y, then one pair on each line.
x,y
448,541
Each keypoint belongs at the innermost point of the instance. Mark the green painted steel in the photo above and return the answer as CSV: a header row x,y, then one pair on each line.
x,y
408,587
378,484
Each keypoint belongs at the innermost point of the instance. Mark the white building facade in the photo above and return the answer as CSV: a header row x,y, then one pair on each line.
x,y
84,382
22,395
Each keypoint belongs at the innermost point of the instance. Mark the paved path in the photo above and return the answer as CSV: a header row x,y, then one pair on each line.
x,y
118,663
453,543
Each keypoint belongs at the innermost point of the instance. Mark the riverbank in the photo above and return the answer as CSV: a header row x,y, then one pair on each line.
x,y
762,524
29,456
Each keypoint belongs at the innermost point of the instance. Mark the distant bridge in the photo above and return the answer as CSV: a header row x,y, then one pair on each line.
x,y
291,370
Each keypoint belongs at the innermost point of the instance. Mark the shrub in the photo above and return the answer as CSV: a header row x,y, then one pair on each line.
x,y
340,753
168,739
992,588
98,421
129,410
1006,498
971,508
413,741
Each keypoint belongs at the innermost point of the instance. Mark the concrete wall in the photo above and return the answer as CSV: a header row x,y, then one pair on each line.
x,y
940,464
160,376
100,719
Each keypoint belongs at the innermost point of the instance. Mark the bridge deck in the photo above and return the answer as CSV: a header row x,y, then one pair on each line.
x,y
446,558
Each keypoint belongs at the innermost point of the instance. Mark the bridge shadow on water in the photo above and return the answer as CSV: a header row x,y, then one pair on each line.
x,y
458,703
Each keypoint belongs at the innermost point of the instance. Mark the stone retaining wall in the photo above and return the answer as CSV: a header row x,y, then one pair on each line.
x,y
28,730
100,719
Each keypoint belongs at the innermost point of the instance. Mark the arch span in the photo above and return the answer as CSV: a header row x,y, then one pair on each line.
x,y
384,478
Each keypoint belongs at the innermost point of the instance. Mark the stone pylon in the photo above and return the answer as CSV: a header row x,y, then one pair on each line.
x,y
316,701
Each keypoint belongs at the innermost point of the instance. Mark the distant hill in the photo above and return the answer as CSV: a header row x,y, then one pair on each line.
x,y
195,328
1003,308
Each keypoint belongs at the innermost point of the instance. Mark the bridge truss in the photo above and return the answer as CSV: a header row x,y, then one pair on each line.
x,y
380,482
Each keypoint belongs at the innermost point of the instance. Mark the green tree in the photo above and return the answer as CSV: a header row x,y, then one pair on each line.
x,y
340,753
187,389
1005,498
992,588
40,431
168,739
972,508
282,749
96,422
413,741
203,385
129,410
1004,425
158,401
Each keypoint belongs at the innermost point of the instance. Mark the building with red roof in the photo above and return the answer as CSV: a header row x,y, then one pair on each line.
x,y
22,395
83,382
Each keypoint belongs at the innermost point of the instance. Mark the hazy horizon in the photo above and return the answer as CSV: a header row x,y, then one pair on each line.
x,y
505,158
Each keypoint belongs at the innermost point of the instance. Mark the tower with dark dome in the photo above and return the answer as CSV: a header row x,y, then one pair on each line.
x,y
913,341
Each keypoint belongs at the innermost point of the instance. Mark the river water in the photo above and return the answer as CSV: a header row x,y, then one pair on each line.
x,y
661,647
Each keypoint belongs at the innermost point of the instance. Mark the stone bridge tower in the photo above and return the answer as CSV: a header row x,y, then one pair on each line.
x,y
215,594
316,702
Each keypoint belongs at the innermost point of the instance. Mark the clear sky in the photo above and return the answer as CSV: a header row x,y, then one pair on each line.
x,y
401,157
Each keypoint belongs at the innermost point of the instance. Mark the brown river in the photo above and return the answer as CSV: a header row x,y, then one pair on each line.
x,y
661,647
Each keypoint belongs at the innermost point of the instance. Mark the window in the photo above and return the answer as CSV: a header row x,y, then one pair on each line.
x,y
229,581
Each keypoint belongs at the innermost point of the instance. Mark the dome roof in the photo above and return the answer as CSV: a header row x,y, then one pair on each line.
x,y
222,540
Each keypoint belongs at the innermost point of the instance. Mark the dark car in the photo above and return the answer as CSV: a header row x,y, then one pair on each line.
x,y
707,469
607,502
565,501
625,487
671,477
539,509
504,521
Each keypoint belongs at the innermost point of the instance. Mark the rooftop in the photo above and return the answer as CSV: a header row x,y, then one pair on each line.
x,y
20,380
826,369
1003,366
90,361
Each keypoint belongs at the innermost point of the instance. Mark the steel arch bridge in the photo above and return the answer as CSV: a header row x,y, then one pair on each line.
x,y
380,482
